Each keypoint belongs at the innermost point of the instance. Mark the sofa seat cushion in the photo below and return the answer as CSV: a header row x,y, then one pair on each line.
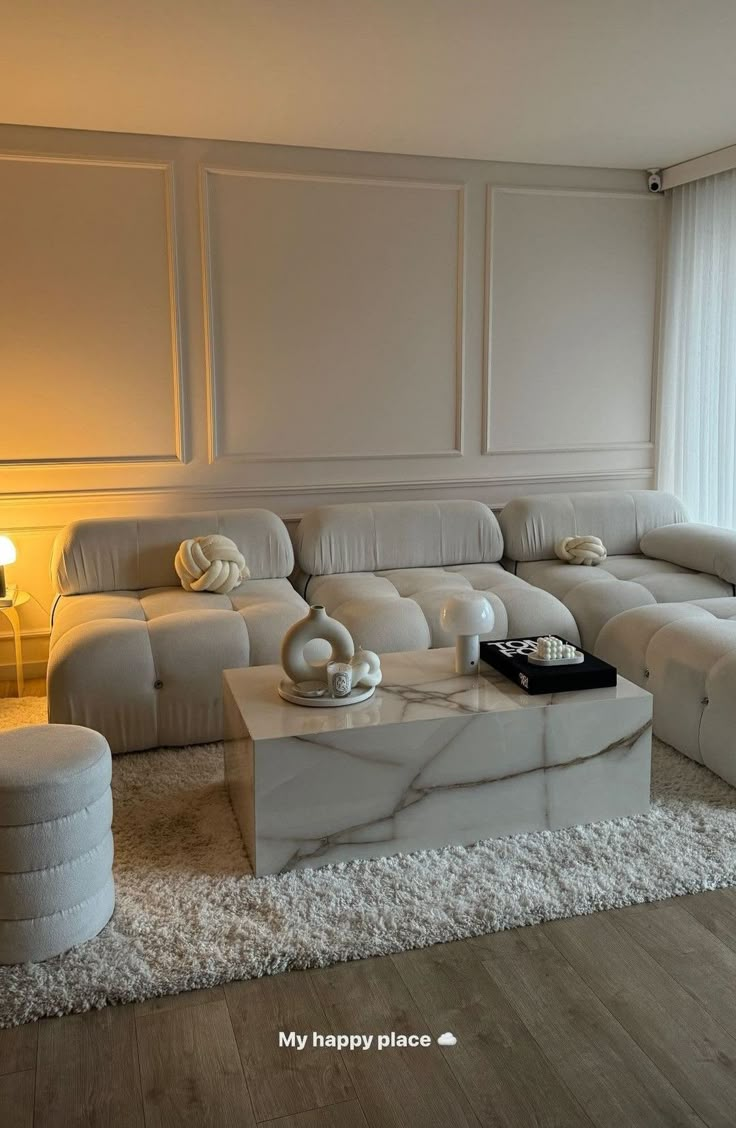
x,y
724,608
595,595
400,609
145,668
685,655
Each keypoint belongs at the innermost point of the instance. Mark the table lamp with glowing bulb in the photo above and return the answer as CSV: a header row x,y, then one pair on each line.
x,y
7,556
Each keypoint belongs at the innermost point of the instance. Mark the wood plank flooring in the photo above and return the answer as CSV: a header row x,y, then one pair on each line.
x,y
624,1018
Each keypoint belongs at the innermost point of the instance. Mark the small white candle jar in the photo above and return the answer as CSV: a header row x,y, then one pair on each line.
x,y
339,678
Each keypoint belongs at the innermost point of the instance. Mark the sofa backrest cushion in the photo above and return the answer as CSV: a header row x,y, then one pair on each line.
x,y
374,537
532,526
701,548
133,553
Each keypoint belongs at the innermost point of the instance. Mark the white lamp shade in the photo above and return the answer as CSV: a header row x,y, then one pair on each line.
x,y
468,613
7,551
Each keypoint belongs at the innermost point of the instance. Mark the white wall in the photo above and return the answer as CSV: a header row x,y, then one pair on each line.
x,y
191,324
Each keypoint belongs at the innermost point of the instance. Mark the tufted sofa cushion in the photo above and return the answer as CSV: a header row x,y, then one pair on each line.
x,y
385,570
625,522
400,609
145,667
139,659
685,654
595,595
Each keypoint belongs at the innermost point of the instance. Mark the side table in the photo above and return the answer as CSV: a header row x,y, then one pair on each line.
x,y
11,614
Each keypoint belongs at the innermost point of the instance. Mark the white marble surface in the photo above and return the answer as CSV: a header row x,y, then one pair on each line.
x,y
432,759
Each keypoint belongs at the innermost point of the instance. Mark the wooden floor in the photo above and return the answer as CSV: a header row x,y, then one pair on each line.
x,y
621,1019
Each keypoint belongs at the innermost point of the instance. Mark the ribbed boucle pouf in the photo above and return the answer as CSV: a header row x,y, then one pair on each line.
x,y
56,848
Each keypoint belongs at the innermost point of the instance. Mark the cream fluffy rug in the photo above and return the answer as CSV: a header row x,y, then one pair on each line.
x,y
189,914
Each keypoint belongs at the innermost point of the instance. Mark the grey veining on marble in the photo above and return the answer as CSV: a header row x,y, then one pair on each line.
x,y
432,759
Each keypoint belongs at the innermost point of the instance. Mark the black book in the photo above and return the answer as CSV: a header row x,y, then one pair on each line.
x,y
511,658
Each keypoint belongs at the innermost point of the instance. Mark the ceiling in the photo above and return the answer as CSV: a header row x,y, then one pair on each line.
x,y
615,83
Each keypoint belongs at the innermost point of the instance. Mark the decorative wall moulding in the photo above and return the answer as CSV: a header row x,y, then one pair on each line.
x,y
178,453
217,451
15,506
31,632
33,668
580,448
491,446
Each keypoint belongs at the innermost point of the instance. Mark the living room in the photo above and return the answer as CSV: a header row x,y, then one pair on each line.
x,y
368,563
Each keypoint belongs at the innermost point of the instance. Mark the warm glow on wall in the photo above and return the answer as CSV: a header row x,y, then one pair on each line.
x,y
7,556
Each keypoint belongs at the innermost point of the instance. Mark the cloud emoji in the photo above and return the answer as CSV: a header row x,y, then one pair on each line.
x,y
447,1039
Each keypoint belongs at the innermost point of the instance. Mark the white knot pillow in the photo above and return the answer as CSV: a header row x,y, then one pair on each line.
x,y
581,550
212,563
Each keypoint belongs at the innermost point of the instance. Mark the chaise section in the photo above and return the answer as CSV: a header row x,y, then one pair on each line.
x,y
385,570
625,522
139,659
661,608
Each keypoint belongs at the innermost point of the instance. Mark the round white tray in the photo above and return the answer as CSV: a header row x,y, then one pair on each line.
x,y
287,691
579,657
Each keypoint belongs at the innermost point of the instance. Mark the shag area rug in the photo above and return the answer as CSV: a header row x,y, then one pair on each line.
x,y
190,914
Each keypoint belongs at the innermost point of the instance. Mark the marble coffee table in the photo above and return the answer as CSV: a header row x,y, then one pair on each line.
x,y
431,759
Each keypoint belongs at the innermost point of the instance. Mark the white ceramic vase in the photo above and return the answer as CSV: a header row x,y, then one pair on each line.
x,y
317,624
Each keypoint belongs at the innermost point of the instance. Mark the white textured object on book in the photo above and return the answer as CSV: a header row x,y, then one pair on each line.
x,y
551,651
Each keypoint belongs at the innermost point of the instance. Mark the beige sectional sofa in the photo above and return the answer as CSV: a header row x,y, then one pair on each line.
x,y
139,659
384,569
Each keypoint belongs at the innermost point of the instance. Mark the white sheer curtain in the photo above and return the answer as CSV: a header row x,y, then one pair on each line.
x,y
697,395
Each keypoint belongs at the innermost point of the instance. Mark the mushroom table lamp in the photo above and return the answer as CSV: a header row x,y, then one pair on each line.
x,y
7,556
467,615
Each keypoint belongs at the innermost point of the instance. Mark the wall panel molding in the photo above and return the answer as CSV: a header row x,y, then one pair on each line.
x,y
215,394
16,506
178,453
488,445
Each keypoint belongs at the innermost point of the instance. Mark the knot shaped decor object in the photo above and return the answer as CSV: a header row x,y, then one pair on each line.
x,y
581,550
318,625
212,563
366,668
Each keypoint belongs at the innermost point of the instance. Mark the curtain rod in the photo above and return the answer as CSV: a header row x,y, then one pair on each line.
x,y
722,160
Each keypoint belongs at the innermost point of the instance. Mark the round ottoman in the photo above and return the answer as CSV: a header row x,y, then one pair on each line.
x,y
56,849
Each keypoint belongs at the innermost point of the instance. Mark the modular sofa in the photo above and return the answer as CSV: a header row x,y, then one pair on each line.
x,y
385,569
139,659
641,569
661,608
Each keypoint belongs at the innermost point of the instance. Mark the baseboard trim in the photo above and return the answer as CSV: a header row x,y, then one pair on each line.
x,y
35,669
32,632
